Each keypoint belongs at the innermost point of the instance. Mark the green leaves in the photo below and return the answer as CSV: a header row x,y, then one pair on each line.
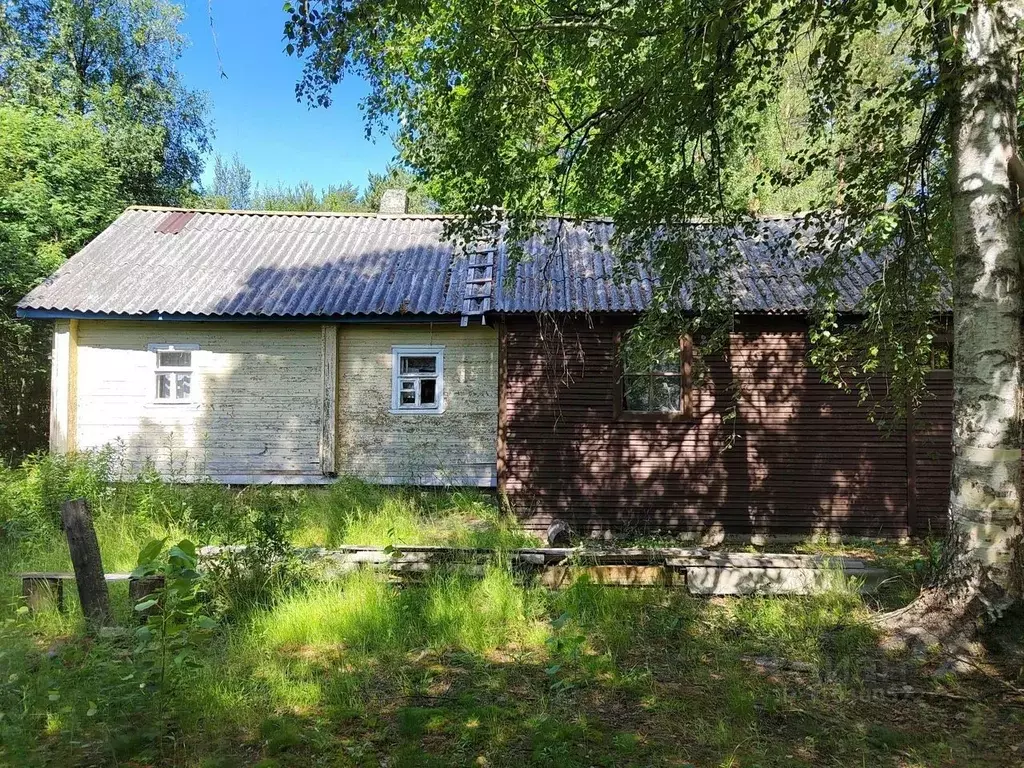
x,y
151,551
93,118
654,113
168,641
58,188
566,650
183,555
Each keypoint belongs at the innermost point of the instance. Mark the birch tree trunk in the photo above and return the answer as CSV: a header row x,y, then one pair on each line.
x,y
983,557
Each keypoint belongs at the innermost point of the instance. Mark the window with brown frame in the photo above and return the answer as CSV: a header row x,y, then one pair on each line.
x,y
656,384
941,354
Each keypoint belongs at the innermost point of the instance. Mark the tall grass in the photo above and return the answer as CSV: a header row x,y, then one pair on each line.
x,y
361,670
354,512
128,514
449,611
347,512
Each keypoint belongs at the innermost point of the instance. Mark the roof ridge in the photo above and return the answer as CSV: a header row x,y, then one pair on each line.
x,y
249,212
796,215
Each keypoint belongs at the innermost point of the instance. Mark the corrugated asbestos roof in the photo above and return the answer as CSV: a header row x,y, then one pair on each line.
x,y
243,264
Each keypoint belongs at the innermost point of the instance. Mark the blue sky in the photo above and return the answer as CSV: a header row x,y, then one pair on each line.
x,y
254,109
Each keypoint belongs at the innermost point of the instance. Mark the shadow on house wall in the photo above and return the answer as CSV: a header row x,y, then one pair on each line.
x,y
258,411
255,410
770,448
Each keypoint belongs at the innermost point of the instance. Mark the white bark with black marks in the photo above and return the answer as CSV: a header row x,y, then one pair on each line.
x,y
985,494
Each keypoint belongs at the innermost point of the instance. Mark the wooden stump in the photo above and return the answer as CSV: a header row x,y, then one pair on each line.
x,y
85,556
40,590
139,590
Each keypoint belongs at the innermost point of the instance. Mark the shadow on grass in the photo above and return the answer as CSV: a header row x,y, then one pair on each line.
x,y
462,671
469,670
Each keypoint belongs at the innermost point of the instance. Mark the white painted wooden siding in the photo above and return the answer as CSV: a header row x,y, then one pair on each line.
x,y
457,447
257,392
63,360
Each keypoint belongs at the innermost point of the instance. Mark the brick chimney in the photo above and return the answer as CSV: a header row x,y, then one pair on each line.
x,y
394,201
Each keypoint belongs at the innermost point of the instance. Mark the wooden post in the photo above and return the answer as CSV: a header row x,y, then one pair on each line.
x,y
501,446
40,590
912,522
62,360
139,590
85,556
686,359
329,407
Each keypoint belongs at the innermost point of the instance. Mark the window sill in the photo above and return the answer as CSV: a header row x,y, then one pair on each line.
x,y
158,406
416,412
654,417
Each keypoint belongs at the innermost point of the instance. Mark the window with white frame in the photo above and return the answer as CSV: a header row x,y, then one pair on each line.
x,y
173,372
417,379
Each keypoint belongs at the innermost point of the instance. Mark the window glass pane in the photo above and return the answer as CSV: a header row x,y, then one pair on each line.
x,y
408,386
641,360
942,357
668,362
418,364
174,359
632,361
163,386
407,396
183,386
665,395
428,392
638,393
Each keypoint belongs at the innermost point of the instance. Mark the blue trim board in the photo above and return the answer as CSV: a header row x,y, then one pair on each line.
x,y
67,314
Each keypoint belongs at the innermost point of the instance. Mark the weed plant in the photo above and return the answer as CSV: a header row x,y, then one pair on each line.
x,y
459,668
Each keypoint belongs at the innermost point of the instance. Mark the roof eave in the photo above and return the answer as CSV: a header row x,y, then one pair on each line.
x,y
35,313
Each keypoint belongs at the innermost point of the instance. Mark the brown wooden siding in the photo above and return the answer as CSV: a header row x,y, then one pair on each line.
x,y
770,448
933,438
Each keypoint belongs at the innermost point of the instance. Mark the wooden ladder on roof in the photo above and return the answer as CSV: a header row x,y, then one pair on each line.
x,y
476,298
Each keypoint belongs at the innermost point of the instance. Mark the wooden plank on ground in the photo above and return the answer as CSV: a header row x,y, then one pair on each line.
x,y
759,560
559,577
581,555
735,580
703,572
66,576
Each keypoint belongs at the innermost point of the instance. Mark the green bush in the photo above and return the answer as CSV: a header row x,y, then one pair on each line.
x,y
347,512
131,510
264,521
30,496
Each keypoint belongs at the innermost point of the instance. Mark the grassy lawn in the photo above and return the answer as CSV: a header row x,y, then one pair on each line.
x,y
459,669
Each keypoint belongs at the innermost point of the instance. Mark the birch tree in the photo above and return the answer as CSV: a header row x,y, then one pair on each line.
x,y
649,110
984,554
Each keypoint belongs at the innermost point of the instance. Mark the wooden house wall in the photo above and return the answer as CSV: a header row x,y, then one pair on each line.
x,y
770,448
257,392
456,447
932,455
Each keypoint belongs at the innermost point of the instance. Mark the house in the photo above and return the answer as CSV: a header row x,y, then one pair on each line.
x,y
248,347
